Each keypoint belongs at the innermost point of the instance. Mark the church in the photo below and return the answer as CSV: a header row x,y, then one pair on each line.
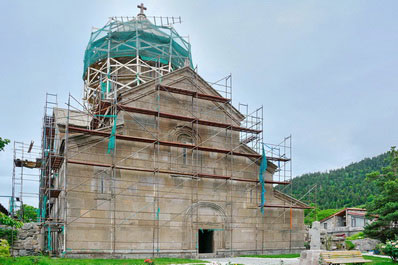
x,y
157,161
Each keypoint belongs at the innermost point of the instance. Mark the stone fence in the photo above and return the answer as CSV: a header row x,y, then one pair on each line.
x,y
29,240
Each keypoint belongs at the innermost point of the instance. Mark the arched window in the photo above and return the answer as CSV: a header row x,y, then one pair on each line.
x,y
185,139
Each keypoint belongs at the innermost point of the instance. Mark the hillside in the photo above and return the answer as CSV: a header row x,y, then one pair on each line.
x,y
344,187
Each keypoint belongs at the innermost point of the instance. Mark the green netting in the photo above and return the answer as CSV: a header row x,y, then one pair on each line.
x,y
211,229
112,138
11,204
157,213
263,167
44,207
103,89
137,36
49,239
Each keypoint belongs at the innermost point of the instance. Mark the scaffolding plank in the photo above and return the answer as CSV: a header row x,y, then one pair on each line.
x,y
54,193
174,144
56,161
164,143
286,206
200,175
181,91
187,119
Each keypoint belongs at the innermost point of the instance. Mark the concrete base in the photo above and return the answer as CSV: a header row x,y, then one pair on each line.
x,y
174,254
310,257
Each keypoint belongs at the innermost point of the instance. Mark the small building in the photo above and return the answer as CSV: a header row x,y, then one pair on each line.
x,y
3,210
345,223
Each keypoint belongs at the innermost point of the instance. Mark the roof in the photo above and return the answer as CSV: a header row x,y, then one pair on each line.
x,y
76,118
283,196
3,209
342,212
137,37
228,108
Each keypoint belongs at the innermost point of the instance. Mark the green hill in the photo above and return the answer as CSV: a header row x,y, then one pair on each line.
x,y
344,187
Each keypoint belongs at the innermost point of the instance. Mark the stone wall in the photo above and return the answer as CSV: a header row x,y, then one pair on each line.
x,y
365,244
29,240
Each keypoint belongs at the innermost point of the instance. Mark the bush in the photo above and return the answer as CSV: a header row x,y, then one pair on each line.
x,y
356,236
349,245
339,246
391,249
307,245
8,221
379,249
9,235
4,248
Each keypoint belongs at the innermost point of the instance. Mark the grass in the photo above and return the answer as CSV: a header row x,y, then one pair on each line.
x,y
61,261
378,261
275,256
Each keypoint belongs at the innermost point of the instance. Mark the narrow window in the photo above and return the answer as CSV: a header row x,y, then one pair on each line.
x,y
184,156
185,139
101,187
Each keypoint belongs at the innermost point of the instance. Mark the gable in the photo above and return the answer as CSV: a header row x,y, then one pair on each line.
x,y
187,79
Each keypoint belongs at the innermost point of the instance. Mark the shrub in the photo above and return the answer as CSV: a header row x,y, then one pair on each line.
x,y
379,249
339,246
356,236
8,234
4,248
307,245
391,249
8,221
349,245
149,261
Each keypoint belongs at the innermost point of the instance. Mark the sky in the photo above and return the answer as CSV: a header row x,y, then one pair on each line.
x,y
324,71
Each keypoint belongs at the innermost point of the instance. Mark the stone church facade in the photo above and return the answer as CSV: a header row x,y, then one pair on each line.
x,y
176,181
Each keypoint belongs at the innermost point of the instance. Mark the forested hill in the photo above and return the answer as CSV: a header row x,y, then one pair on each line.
x,y
344,187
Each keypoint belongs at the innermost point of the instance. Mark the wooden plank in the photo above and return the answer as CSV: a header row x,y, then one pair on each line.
x,y
343,257
187,119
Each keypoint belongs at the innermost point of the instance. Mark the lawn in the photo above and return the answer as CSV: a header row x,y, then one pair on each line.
x,y
275,256
378,261
62,261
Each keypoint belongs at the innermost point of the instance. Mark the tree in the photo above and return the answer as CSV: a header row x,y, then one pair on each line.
x,y
3,143
384,207
9,233
29,214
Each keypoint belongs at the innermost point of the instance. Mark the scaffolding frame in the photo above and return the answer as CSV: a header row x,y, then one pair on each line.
x,y
26,157
250,128
119,88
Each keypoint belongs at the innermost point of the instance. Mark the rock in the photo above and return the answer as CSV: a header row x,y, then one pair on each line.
x,y
27,243
27,226
310,257
365,244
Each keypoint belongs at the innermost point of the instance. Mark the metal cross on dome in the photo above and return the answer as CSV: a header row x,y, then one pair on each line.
x,y
142,8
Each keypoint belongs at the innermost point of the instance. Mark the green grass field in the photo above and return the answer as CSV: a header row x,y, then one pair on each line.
x,y
61,261
160,261
378,261
276,256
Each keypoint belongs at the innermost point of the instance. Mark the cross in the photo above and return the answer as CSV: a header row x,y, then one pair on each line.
x,y
142,8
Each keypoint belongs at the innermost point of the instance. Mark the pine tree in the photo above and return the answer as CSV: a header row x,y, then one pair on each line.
x,y
384,207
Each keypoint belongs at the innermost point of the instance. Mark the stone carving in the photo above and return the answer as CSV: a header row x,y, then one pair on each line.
x,y
315,236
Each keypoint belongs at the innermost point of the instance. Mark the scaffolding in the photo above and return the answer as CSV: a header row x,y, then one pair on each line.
x,y
186,166
122,126
51,215
26,165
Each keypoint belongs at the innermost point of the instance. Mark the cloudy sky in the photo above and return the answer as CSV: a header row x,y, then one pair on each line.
x,y
325,71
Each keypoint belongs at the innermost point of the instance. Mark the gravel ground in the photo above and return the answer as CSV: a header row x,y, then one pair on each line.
x,y
254,261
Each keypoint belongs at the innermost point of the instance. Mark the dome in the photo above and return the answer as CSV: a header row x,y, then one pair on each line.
x,y
122,37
